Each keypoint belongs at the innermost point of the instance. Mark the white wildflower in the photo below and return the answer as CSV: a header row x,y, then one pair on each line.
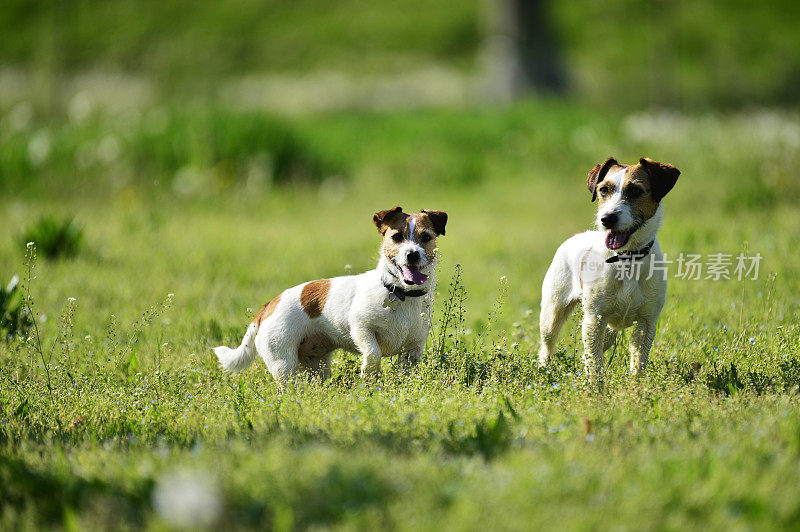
x,y
39,148
187,499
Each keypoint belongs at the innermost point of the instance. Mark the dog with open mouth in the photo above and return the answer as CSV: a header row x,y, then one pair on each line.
x,y
379,313
586,268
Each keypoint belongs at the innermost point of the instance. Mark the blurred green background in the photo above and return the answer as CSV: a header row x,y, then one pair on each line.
x,y
184,88
625,53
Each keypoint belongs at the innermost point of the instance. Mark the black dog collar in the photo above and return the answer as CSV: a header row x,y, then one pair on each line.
x,y
631,255
402,294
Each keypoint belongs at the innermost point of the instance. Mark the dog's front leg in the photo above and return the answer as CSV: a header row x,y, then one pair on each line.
x,y
412,354
593,332
367,344
644,333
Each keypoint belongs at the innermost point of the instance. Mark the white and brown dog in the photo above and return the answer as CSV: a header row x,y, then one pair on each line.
x,y
382,312
587,267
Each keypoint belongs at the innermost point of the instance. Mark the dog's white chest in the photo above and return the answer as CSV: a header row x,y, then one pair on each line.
x,y
396,325
625,304
403,316
624,301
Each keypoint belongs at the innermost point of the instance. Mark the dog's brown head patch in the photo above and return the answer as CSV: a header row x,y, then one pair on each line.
x,y
383,220
636,191
643,185
599,172
662,177
427,226
393,225
314,295
267,310
397,227
438,220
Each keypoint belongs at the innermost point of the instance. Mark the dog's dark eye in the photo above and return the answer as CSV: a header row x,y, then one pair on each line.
x,y
397,237
634,192
603,190
425,238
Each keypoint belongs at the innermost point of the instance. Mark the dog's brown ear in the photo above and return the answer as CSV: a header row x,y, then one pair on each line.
x,y
438,219
382,219
597,174
662,177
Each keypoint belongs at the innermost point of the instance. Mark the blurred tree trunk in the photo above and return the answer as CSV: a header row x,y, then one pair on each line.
x,y
538,60
525,47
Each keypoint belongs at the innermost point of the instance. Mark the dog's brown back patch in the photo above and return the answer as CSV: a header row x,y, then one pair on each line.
x,y
314,295
267,310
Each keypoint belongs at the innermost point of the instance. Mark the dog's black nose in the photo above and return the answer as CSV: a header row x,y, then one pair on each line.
x,y
412,257
609,220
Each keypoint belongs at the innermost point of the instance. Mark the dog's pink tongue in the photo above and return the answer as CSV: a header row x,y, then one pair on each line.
x,y
616,239
413,275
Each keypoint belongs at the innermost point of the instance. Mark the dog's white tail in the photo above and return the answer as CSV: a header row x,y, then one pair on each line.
x,y
239,359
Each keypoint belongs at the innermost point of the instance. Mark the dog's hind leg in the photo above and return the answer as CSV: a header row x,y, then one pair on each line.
x,y
282,362
556,308
550,323
558,300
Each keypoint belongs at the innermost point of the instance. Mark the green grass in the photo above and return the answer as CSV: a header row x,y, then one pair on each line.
x,y
186,41
125,395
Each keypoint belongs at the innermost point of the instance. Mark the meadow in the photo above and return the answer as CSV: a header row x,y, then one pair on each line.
x,y
114,413
177,164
